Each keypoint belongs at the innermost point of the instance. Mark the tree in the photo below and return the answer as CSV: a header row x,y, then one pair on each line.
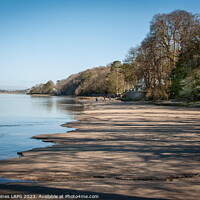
x,y
186,75
129,75
115,78
160,50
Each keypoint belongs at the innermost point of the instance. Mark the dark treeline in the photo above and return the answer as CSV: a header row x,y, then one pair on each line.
x,y
167,61
14,91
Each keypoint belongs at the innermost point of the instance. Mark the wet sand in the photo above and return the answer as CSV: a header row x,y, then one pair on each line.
x,y
119,150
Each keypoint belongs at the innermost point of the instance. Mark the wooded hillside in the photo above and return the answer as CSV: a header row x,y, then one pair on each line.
x,y
90,81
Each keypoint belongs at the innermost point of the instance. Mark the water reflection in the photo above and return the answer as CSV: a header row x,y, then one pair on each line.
x,y
44,102
68,105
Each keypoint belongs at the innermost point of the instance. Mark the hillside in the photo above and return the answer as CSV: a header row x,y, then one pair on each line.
x,y
90,81
111,80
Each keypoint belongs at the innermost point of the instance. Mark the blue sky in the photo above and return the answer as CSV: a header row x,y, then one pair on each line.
x,y
43,40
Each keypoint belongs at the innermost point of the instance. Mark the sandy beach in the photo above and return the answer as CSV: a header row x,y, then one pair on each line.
x,y
119,150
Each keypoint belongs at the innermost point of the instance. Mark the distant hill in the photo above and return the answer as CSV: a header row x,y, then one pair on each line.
x,y
90,81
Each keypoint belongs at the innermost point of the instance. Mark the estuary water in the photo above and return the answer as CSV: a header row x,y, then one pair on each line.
x,y
23,116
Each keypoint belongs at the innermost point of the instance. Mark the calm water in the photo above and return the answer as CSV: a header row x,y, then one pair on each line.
x,y
23,116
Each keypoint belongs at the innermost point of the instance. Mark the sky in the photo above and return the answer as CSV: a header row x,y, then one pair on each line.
x,y
43,40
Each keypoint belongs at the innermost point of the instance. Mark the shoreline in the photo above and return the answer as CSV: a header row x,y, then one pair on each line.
x,y
128,149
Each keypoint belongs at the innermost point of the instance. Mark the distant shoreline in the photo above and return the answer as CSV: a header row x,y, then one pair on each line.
x,y
12,93
26,93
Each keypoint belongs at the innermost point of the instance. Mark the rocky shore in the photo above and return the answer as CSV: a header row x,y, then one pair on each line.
x,y
119,150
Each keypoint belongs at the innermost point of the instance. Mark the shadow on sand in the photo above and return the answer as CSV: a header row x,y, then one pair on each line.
x,y
41,190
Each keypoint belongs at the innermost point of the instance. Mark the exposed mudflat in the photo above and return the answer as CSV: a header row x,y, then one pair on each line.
x,y
119,151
